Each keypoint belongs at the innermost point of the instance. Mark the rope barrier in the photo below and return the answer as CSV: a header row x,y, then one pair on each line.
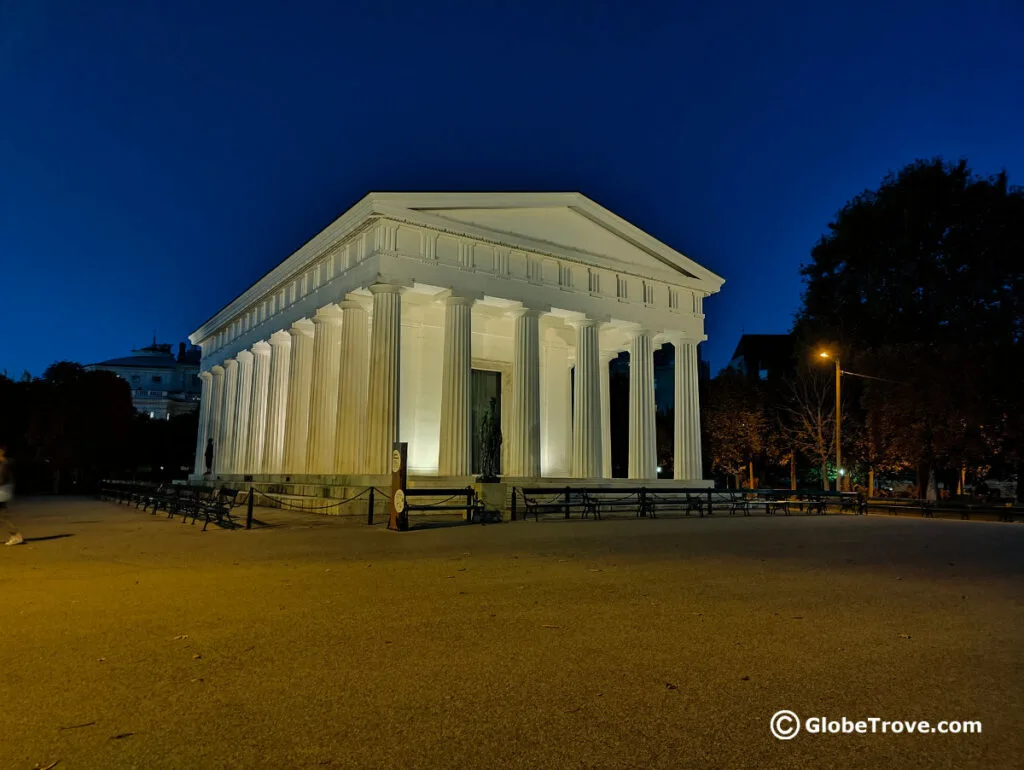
x,y
288,504
439,502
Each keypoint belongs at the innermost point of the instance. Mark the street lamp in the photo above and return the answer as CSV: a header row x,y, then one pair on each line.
x,y
839,419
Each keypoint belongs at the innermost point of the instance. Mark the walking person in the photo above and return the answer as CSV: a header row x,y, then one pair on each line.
x,y
6,495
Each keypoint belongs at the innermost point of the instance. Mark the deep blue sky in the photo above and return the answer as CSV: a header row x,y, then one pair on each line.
x,y
158,157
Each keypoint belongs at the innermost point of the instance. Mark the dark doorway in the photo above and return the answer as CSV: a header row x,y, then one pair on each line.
x,y
485,385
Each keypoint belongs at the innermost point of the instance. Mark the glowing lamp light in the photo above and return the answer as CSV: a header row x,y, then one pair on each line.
x,y
659,469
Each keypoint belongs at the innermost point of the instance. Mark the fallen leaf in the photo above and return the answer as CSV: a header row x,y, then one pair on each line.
x,y
47,767
197,656
904,636
670,686
745,678
119,736
101,660
179,637
75,727
547,626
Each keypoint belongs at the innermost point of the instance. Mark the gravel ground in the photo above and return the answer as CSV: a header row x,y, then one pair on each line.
x,y
130,640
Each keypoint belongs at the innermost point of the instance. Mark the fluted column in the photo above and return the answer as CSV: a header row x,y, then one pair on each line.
x,y
323,401
687,448
606,413
385,372
351,425
225,455
586,438
296,425
643,452
216,405
277,401
524,455
206,378
243,406
455,440
258,410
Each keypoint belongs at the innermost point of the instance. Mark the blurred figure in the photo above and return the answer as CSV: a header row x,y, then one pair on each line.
x,y
209,455
6,495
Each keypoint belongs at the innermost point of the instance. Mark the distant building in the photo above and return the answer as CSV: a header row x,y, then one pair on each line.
x,y
763,356
162,384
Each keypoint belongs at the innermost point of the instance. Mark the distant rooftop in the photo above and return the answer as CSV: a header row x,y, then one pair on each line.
x,y
156,356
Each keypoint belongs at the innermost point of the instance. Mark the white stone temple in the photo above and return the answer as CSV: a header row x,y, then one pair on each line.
x,y
405,316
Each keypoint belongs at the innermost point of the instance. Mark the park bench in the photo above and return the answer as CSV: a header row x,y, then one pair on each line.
x,y
538,500
469,504
609,500
926,507
217,508
684,500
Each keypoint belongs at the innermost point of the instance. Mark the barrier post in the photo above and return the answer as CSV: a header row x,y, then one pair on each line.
x,y
369,509
248,512
513,511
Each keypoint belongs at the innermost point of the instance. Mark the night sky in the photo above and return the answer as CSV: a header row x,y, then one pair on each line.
x,y
156,158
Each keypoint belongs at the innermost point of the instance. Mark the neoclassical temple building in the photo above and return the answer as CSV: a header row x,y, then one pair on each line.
x,y
407,315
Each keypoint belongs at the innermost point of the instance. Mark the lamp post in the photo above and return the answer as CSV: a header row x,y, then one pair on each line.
x,y
840,476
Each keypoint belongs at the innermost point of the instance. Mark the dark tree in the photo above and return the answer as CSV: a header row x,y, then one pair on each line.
x,y
922,282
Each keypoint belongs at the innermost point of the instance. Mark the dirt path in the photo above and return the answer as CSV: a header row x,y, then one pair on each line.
x,y
129,640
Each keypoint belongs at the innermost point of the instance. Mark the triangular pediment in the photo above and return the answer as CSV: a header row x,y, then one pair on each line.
x,y
566,222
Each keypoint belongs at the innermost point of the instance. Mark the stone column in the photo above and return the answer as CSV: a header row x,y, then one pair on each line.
x,y
323,404
586,439
606,413
242,408
351,427
206,378
455,441
277,401
258,411
300,371
524,457
225,456
216,406
687,449
643,451
385,378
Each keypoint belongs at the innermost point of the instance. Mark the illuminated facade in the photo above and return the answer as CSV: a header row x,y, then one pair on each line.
x,y
410,313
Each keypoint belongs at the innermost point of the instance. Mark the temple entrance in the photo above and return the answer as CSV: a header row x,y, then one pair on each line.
x,y
484,386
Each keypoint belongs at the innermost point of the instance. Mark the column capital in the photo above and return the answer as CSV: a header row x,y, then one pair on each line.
x,y
261,348
639,331
608,355
206,376
231,363
279,338
462,300
386,288
351,302
677,337
582,323
330,314
244,357
535,311
217,370
301,328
